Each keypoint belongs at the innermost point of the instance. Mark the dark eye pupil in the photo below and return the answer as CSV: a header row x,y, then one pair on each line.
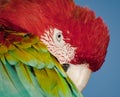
x,y
59,36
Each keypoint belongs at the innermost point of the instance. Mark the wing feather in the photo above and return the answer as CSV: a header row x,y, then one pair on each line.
x,y
27,69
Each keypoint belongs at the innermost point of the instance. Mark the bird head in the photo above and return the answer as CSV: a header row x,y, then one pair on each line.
x,y
79,40
82,38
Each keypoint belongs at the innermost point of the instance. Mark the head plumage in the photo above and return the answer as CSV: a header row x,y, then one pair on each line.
x,y
82,29
90,35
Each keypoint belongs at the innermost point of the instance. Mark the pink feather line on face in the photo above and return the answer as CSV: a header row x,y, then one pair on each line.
x,y
62,51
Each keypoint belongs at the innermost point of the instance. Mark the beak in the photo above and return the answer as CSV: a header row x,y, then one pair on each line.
x,y
79,74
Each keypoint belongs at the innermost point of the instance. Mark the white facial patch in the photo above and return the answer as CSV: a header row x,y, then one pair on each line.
x,y
54,40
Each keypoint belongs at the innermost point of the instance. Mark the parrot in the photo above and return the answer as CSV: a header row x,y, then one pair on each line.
x,y
40,38
27,68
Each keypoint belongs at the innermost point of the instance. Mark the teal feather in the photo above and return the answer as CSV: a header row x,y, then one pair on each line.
x,y
25,78
14,79
7,88
11,60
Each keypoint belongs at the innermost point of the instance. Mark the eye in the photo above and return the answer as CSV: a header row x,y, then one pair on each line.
x,y
59,36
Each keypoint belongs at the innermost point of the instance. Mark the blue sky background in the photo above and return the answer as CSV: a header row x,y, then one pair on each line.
x,y
106,81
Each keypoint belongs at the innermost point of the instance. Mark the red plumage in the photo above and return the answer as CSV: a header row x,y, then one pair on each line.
x,y
34,16
86,32
90,35
82,29
23,15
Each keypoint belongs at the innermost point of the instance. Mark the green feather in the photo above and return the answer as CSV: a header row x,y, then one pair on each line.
x,y
25,78
14,79
23,45
51,83
27,69
7,88
40,47
24,57
11,60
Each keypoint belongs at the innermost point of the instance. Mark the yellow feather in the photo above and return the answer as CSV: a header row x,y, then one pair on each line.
x,y
3,49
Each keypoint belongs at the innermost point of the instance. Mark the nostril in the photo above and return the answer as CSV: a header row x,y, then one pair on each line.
x,y
65,66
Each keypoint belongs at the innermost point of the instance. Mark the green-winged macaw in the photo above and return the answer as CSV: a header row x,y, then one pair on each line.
x,y
36,36
27,69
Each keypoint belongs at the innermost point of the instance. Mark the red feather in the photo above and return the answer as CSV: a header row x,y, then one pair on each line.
x,y
90,35
86,32
23,15
34,16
